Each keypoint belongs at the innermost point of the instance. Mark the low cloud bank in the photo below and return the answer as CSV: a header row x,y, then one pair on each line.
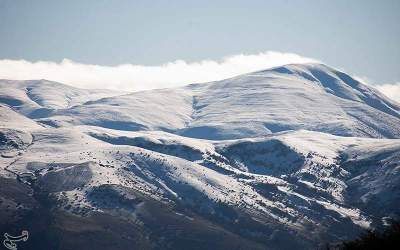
x,y
132,77
390,90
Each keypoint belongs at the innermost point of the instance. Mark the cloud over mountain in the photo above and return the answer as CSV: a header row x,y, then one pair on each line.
x,y
140,77
135,77
391,90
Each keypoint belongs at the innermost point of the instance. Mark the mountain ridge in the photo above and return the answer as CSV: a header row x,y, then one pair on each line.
x,y
294,89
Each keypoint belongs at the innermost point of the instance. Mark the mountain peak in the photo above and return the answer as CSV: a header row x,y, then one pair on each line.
x,y
309,96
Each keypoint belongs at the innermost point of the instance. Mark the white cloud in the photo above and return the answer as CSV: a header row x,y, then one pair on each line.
x,y
138,77
363,79
390,90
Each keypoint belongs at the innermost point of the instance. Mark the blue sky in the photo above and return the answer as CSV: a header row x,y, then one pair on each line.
x,y
361,37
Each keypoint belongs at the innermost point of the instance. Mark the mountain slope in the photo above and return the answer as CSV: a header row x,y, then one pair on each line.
x,y
281,186
38,98
313,97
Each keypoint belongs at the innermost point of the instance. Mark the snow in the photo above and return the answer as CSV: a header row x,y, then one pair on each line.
x,y
299,145
308,96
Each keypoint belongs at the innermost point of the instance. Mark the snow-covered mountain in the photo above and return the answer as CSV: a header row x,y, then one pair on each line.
x,y
290,157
